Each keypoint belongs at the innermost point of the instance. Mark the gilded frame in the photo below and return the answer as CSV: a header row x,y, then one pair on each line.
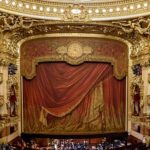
x,y
74,62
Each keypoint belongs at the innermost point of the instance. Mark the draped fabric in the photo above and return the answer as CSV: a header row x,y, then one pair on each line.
x,y
73,99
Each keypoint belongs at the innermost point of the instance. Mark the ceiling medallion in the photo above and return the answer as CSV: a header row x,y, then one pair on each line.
x,y
75,12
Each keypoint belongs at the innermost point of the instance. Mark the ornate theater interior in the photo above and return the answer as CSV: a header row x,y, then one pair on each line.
x,y
75,74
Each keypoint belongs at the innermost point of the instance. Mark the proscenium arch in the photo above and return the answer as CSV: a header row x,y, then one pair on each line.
x,y
72,61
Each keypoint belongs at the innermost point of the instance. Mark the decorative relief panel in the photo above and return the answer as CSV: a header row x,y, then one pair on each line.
x,y
76,12
74,50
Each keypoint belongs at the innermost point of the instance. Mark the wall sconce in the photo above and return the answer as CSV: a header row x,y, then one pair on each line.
x,y
1,78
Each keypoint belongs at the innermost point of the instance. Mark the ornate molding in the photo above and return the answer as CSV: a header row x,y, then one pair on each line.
x,y
65,50
7,121
12,22
141,51
8,49
140,25
13,28
76,12
95,10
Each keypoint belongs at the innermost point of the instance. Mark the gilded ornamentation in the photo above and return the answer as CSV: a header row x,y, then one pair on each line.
x,y
75,50
7,121
141,52
77,18
12,80
95,10
8,51
76,12
140,25
71,51
11,22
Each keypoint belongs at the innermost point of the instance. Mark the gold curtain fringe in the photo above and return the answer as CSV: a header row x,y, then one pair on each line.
x,y
119,74
43,117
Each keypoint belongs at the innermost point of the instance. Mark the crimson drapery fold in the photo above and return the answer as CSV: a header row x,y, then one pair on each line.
x,y
60,90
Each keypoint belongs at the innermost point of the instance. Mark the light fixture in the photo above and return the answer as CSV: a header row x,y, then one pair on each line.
x,y
41,8
13,3
48,9
75,11
20,4
97,10
89,11
54,9
110,10
117,9
139,6
62,10
6,1
145,4
103,10
27,6
125,8
34,7
131,7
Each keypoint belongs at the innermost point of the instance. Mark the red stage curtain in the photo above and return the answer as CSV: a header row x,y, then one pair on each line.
x,y
65,94
115,105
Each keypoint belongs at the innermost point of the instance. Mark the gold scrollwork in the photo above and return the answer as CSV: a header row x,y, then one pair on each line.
x,y
76,12
140,25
